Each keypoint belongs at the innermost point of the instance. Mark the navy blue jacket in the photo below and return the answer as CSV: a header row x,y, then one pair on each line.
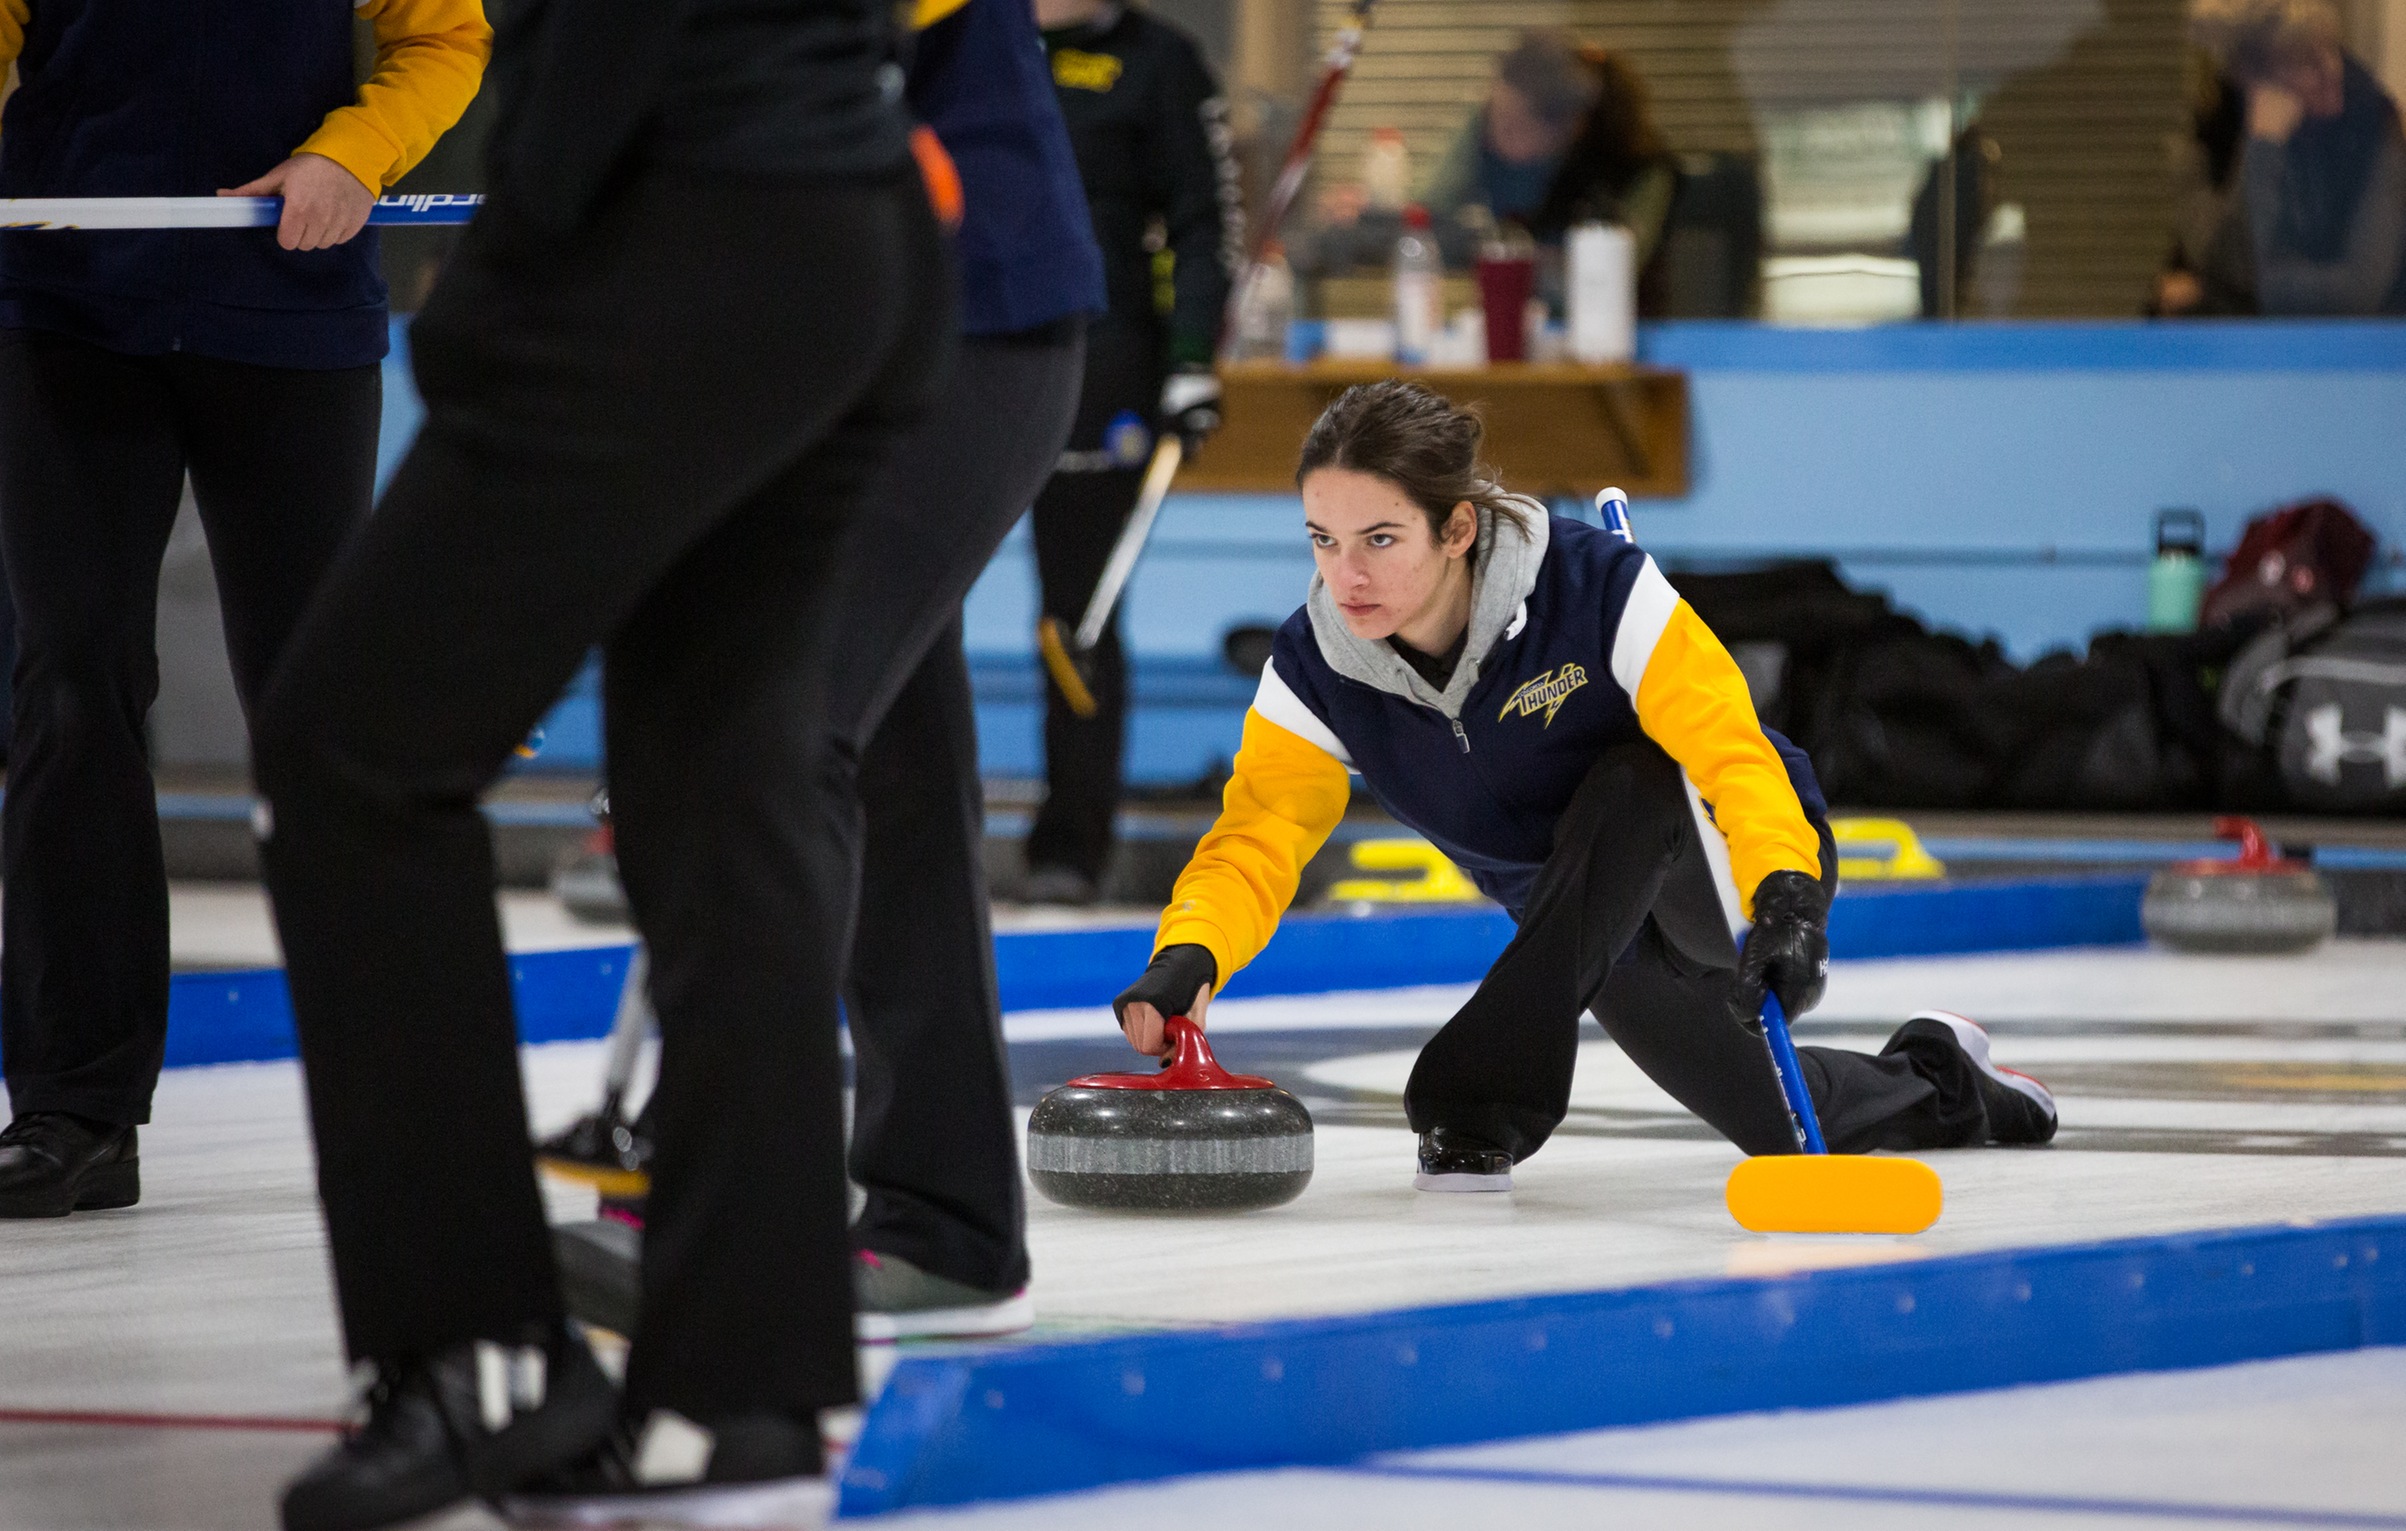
x,y
1488,786
1027,250
123,98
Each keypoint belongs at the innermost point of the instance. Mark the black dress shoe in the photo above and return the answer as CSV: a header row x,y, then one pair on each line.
x,y
52,1164
475,1419
1456,1161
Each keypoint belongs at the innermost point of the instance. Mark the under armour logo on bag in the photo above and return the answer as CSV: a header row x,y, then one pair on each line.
x,y
2333,746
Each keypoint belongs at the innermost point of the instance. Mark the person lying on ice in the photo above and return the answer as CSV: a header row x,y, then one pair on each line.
x,y
1531,694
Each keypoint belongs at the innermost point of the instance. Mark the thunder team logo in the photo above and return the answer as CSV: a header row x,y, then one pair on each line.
x,y
1545,694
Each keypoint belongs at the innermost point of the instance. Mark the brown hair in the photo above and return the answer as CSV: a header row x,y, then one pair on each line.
x,y
2252,37
1417,440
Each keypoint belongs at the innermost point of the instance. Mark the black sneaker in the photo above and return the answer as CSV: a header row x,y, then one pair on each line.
x,y
475,1419
1456,1161
764,1472
52,1164
2020,1109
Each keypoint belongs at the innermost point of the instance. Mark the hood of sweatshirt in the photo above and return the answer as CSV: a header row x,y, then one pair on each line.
x,y
1506,562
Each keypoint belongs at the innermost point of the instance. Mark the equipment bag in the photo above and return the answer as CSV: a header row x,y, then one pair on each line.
x,y
2323,697
2289,561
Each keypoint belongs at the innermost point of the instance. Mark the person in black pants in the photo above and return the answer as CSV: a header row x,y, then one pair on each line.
x,y
942,1228
1531,694
705,302
1625,922
246,359
1151,135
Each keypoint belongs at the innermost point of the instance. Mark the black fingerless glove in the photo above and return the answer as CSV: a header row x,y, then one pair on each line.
x,y
1177,974
1787,952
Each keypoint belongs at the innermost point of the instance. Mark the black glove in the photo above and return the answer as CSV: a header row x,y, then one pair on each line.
x,y
1170,984
1190,405
1788,950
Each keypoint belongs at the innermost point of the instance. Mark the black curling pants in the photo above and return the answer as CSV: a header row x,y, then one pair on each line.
x,y
934,1143
94,449
654,437
1625,921
1078,518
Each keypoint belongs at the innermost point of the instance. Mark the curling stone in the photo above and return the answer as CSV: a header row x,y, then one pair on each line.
x,y
2258,902
1191,1137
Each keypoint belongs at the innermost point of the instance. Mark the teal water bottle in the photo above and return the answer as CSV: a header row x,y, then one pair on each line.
x,y
2176,577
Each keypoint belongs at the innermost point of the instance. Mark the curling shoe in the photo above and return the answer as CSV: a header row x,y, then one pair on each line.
x,y
1456,1161
895,1300
2021,1111
52,1164
761,1472
477,1418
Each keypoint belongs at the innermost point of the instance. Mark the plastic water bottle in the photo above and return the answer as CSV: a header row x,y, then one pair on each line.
x,y
1267,308
1602,292
2176,578
1419,288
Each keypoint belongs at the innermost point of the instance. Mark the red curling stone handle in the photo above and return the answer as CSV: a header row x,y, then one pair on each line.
x,y
1191,1067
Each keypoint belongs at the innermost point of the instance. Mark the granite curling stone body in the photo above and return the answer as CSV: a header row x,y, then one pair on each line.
x,y
2255,902
1190,1138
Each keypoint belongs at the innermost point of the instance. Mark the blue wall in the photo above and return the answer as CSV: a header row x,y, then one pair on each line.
x,y
1997,479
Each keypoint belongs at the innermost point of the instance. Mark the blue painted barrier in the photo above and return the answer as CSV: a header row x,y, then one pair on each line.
x,y
244,1017
1043,1419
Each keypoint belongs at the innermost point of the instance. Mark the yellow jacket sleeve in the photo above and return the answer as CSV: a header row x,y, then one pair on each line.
x,y
13,16
1284,798
1693,702
430,57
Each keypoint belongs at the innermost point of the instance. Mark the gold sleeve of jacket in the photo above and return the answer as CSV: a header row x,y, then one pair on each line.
x,y
1694,703
430,57
13,16
1285,797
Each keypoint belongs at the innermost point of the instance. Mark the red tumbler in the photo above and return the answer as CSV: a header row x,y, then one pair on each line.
x,y
1506,283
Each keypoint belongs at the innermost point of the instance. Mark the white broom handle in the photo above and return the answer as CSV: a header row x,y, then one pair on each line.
x,y
1131,545
421,209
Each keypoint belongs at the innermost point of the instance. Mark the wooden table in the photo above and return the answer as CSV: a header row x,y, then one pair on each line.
x,y
1553,428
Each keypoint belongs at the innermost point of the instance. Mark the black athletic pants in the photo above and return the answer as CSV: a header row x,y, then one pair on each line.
x,y
654,437
1078,518
94,447
934,1141
1624,921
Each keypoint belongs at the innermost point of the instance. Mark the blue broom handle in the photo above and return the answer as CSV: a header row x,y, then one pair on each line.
x,y
1784,1063
1612,509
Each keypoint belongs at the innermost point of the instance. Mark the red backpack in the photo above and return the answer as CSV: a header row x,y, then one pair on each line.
x,y
2313,553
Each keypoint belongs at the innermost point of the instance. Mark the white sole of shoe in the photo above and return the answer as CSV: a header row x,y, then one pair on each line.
x,y
785,1504
1974,1041
983,1321
1424,1181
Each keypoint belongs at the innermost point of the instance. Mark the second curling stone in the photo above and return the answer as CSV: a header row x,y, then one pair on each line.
x,y
1191,1137
2256,902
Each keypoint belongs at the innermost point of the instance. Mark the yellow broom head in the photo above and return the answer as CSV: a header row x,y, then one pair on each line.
x,y
1834,1193
1052,643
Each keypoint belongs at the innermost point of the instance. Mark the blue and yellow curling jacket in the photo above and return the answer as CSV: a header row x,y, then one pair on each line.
x,y
1576,643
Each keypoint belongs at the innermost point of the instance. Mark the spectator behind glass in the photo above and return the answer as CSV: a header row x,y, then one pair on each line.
x,y
2209,271
2322,178
1565,134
